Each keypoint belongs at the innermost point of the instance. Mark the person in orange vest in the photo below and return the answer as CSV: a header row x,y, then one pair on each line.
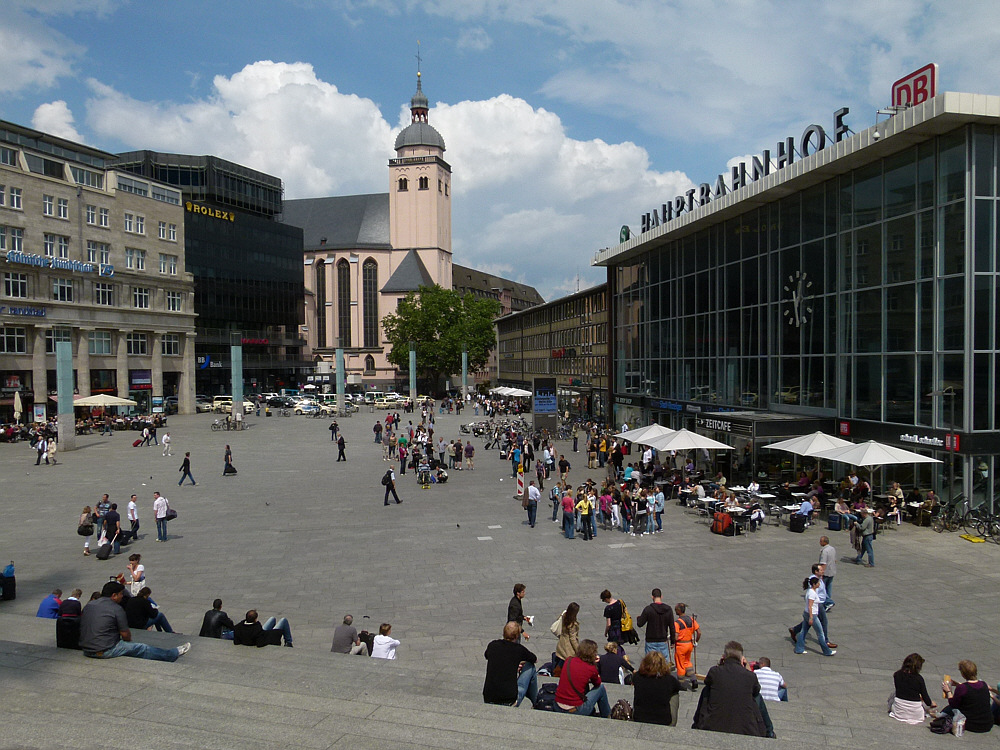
x,y
688,634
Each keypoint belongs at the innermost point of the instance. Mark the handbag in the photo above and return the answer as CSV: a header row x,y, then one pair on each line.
x,y
171,514
556,627
85,529
626,617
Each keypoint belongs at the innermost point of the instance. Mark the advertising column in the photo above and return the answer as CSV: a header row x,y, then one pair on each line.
x,y
545,406
64,395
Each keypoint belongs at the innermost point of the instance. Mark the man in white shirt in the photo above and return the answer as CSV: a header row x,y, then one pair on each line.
x,y
160,507
647,458
772,684
532,502
166,445
133,516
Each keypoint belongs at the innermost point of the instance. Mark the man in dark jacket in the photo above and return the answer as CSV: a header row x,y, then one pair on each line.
x,y
503,684
729,700
658,619
217,623
516,614
251,633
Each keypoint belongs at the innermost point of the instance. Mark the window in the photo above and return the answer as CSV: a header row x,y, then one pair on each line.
x,y
166,195
15,285
369,289
8,156
62,205
88,178
129,222
62,247
135,259
48,205
369,364
99,342
137,343
402,185
49,245
128,185
172,232
98,252
422,183
168,264
161,230
140,224
91,214
15,198
170,345
3,195
104,294
54,335
13,340
16,243
344,303
62,290
140,297
104,216
174,301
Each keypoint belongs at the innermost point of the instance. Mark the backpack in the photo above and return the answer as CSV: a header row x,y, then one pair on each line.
x,y
622,710
546,698
626,617
942,724
723,524
385,479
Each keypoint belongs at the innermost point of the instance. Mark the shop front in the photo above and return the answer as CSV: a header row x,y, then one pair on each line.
x,y
140,390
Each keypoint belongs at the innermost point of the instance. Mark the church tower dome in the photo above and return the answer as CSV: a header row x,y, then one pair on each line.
x,y
419,132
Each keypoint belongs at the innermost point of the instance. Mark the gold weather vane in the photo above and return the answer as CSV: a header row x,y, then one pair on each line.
x,y
418,58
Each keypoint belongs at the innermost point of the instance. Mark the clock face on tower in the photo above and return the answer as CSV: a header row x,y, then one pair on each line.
x,y
798,291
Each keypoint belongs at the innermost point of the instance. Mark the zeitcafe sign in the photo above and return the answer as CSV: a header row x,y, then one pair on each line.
x,y
813,139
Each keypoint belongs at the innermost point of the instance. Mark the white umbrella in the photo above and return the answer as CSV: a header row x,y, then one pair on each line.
x,y
811,444
642,434
103,399
871,453
18,406
684,440
518,392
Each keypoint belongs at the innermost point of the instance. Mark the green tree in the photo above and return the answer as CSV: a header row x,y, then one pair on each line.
x,y
440,322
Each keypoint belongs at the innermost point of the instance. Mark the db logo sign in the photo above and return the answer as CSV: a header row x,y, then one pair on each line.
x,y
915,88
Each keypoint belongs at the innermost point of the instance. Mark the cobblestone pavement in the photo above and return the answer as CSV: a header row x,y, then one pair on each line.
x,y
299,535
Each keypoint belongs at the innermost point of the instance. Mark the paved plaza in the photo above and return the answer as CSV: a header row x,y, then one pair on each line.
x,y
299,535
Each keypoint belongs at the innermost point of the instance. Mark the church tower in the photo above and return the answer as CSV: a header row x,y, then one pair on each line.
x,y
420,196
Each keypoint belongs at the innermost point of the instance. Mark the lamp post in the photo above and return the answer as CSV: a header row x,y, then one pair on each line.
x,y
950,443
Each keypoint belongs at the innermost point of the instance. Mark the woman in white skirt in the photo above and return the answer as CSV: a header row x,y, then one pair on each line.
x,y
907,701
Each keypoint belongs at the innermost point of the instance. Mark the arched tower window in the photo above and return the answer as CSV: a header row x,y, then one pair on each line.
x,y
422,183
402,185
370,364
344,302
369,289
320,303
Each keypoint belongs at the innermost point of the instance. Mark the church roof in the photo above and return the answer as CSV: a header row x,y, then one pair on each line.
x,y
419,134
409,276
344,222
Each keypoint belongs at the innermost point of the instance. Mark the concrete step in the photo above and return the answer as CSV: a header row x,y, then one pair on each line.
x,y
221,695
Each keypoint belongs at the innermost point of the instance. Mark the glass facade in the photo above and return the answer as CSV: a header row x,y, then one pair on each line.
x,y
855,298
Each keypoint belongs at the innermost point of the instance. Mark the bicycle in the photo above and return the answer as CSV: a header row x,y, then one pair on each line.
x,y
284,412
949,518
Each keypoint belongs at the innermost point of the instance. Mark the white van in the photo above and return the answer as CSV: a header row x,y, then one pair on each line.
x,y
372,396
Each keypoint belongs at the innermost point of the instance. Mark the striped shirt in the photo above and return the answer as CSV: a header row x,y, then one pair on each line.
x,y
769,681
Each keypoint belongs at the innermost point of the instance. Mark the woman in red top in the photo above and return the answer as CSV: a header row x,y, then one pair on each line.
x,y
578,674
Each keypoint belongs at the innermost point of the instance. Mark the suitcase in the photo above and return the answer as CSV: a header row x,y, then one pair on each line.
x,y
104,552
8,588
137,443
833,522
797,523
68,632
367,638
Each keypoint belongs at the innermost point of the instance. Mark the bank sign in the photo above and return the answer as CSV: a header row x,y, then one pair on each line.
x,y
60,264
814,138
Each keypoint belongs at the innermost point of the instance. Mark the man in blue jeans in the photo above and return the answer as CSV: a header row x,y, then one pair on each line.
x,y
251,633
866,529
104,631
658,619
503,684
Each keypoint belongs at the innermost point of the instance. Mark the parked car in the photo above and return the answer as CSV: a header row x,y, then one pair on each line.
x,y
202,404
281,402
308,408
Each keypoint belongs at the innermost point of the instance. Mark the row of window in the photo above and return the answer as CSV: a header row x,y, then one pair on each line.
x,y
369,301
96,216
423,183
15,285
57,246
14,340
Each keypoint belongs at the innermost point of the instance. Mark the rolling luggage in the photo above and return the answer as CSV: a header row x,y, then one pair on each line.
x,y
722,523
136,443
105,551
68,632
833,522
797,523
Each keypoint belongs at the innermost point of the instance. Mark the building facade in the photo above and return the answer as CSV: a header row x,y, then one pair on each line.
x,y
855,288
95,257
364,253
567,339
246,267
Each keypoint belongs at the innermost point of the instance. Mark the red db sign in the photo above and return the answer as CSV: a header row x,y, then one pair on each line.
x,y
915,88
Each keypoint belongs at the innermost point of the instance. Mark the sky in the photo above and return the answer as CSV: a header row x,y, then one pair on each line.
x,y
563,119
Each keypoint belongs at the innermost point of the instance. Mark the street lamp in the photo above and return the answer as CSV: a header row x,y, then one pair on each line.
x,y
950,443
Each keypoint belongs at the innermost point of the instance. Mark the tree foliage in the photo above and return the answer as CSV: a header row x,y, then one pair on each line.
x,y
440,322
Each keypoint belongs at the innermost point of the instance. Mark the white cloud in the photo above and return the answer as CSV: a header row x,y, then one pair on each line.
x,y
474,39
32,55
55,118
525,193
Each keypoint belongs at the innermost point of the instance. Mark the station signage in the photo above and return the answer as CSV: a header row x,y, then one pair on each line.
x,y
814,138
60,264
215,213
916,87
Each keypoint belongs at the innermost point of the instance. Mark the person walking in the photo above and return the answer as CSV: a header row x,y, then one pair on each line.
x,y
811,617
166,444
866,530
583,508
688,634
133,517
333,431
818,570
828,558
470,453
389,482
185,469
531,502
86,520
42,448
341,444
228,469
160,507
